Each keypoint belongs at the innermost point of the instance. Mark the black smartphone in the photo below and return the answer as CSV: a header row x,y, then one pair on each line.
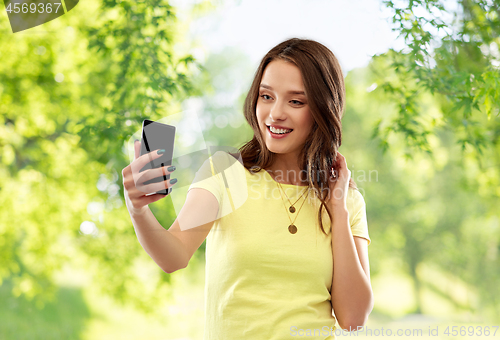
x,y
158,136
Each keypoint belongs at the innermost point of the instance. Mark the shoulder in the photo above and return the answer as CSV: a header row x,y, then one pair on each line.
x,y
226,159
355,201
357,197
230,167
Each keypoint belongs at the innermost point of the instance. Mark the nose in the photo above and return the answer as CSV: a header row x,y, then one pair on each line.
x,y
277,111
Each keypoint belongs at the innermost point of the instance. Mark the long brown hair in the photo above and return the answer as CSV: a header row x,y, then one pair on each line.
x,y
324,85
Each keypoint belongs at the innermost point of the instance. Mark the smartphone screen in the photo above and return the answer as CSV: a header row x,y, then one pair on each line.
x,y
158,136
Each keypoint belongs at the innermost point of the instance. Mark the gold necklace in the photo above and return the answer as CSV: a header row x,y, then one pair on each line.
x,y
292,228
292,208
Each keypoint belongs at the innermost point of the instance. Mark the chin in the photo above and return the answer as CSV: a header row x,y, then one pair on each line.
x,y
272,148
278,150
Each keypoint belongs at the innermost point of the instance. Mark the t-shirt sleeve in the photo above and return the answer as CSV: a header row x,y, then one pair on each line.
x,y
207,178
224,177
359,224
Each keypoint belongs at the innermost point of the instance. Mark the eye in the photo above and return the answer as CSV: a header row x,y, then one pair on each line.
x,y
265,95
298,103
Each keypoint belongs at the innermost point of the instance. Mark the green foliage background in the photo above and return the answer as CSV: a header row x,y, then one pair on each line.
x,y
421,136
60,138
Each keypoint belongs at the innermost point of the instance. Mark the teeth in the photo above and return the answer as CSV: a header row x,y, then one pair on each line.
x,y
281,131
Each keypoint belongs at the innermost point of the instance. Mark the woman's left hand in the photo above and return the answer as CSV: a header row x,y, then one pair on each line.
x,y
339,184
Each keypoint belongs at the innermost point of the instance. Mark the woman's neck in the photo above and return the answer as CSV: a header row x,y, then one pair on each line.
x,y
287,172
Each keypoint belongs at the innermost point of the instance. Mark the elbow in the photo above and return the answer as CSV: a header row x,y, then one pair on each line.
x,y
358,320
173,267
353,324
170,270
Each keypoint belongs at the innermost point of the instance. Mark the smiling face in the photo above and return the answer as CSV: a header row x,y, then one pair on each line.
x,y
282,103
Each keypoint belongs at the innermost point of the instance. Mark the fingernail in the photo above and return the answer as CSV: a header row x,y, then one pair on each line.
x,y
173,181
136,141
171,168
161,151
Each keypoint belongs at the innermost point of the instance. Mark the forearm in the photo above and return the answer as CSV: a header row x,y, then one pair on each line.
x,y
163,247
352,297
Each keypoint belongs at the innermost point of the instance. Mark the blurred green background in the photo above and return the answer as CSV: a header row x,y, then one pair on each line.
x,y
420,133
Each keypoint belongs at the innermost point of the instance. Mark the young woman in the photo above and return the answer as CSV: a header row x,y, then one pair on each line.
x,y
295,247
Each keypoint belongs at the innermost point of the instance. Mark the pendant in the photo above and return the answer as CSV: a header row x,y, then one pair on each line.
x,y
292,209
292,229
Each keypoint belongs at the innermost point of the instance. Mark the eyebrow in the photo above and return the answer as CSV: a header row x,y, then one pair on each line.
x,y
291,92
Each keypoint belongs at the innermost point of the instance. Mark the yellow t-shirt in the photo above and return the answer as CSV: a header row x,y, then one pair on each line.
x,y
261,281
